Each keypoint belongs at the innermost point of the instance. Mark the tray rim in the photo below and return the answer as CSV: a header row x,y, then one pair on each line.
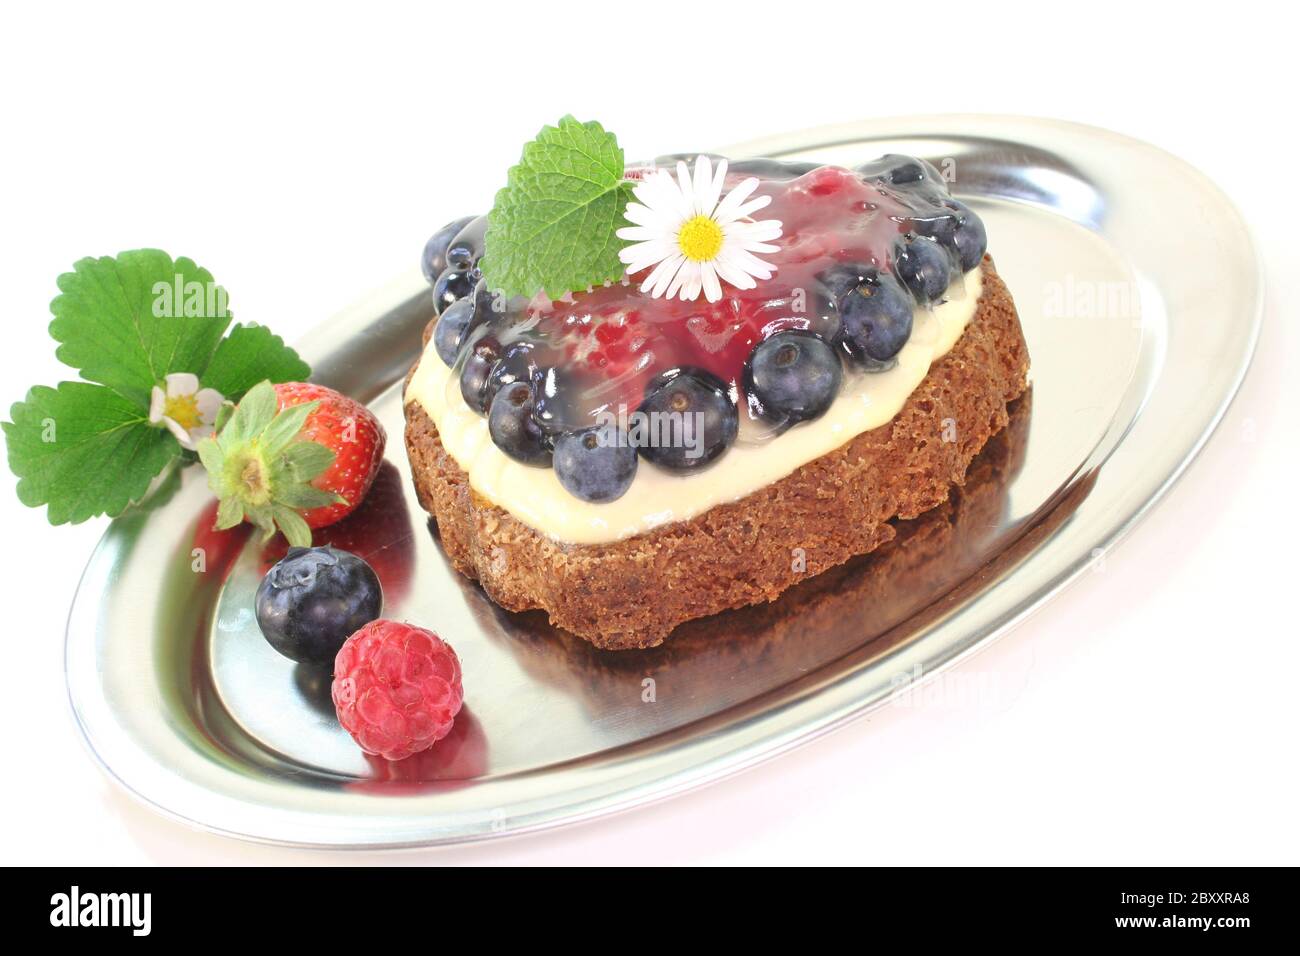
x,y
843,706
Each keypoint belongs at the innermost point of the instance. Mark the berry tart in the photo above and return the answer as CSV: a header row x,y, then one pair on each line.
x,y
654,393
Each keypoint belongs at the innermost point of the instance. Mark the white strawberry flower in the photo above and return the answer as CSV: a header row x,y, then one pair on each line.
x,y
694,236
184,409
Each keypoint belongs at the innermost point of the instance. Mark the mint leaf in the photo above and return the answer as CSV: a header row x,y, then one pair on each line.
x,y
83,450
125,322
248,355
552,226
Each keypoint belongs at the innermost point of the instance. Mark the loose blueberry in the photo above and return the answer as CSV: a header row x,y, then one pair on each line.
x,y
476,373
313,600
877,317
465,250
451,286
513,430
450,330
595,464
792,377
434,259
688,419
924,267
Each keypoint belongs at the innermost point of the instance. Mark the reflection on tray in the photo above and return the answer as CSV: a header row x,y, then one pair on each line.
x,y
854,609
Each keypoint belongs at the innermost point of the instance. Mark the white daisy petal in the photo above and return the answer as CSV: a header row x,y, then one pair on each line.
x,y
684,184
712,288
181,383
702,184
662,274
646,254
767,229
715,190
726,210
641,215
657,245
638,233
753,206
682,279
731,272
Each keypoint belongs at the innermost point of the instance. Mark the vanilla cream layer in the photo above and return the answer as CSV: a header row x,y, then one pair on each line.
x,y
657,497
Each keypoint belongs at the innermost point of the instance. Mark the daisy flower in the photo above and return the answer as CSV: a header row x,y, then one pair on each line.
x,y
694,236
184,409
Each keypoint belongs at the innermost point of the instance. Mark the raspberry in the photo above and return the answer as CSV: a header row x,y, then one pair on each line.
x,y
396,689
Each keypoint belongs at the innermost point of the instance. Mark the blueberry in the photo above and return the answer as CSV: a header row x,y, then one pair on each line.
x,y
965,234
465,250
843,277
924,267
775,169
313,600
518,363
560,401
877,317
813,309
434,259
595,464
513,430
792,377
476,373
687,419
450,330
451,286
902,172
491,305
672,159
954,226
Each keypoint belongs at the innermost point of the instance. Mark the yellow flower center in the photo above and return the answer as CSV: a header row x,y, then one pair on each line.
x,y
700,239
184,411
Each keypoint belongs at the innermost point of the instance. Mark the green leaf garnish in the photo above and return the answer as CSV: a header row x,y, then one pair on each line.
x,y
252,354
83,450
552,225
126,322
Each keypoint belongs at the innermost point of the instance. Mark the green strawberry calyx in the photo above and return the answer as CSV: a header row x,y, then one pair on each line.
x,y
261,470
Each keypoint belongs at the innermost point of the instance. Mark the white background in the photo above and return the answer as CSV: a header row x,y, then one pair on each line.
x,y
1148,715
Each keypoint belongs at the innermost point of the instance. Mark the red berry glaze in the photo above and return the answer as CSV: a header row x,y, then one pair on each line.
x,y
397,688
348,429
613,340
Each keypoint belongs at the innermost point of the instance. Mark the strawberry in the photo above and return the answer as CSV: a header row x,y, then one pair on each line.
x,y
348,429
292,457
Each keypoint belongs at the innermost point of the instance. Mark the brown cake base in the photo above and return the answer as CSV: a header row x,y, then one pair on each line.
x,y
634,592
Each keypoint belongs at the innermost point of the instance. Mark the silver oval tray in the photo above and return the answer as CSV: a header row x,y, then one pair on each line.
x,y
1140,295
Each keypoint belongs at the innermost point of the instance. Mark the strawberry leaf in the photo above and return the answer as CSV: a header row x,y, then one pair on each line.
x,y
83,450
552,226
251,354
126,322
